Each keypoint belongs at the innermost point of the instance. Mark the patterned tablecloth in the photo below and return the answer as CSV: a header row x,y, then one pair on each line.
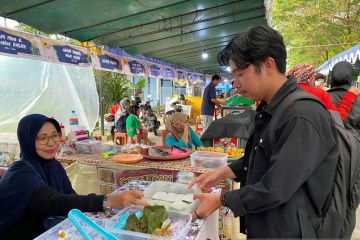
x,y
200,228
97,160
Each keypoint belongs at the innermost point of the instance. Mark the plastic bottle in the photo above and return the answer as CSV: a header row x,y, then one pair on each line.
x,y
63,134
74,121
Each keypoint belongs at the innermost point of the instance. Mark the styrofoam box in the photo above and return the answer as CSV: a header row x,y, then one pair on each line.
x,y
88,146
180,222
171,187
208,159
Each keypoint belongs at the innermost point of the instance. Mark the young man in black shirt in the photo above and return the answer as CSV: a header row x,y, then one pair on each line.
x,y
302,157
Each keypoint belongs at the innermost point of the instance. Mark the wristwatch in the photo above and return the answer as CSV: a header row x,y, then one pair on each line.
x,y
106,207
222,199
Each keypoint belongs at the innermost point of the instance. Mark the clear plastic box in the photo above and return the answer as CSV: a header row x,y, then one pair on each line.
x,y
180,222
171,187
208,159
88,146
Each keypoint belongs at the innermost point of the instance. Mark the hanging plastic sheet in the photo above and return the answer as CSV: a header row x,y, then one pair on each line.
x,y
31,86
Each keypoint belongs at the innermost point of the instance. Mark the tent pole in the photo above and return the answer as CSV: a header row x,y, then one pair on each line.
x,y
102,106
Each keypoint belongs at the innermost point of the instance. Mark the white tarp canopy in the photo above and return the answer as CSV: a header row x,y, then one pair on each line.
x,y
34,86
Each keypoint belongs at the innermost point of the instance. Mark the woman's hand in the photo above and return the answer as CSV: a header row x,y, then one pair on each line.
x,y
126,198
179,124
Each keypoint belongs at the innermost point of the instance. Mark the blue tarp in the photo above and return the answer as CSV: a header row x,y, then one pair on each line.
x,y
350,55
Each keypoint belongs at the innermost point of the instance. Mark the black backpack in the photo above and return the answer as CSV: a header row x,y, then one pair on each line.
x,y
339,211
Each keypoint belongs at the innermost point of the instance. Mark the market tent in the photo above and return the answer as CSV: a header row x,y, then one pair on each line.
x,y
176,31
351,55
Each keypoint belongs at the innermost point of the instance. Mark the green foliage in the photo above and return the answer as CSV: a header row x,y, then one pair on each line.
x,y
26,28
316,30
139,86
116,86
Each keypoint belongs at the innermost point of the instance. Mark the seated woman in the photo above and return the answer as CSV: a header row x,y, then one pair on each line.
x,y
36,186
180,134
124,113
134,129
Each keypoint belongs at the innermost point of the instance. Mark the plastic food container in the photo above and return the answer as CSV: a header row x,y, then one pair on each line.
x,y
180,226
171,187
208,159
185,177
88,146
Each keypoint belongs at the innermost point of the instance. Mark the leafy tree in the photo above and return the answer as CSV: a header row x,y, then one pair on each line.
x,y
116,86
316,30
26,28
139,86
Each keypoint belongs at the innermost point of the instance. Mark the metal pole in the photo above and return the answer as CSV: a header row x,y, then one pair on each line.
x,y
158,94
102,106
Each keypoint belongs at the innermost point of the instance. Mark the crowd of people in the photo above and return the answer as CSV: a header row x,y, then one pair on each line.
x,y
287,172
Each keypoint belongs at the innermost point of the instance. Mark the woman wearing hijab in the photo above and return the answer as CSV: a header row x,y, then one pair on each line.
x,y
124,108
180,134
305,75
36,186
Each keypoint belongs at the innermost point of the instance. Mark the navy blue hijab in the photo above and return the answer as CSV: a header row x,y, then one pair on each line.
x,y
29,173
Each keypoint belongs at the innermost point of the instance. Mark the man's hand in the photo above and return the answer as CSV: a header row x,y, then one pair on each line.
x,y
211,179
354,89
126,198
209,203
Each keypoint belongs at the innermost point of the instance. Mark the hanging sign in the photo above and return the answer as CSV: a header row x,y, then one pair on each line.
x,y
18,43
155,70
68,54
169,73
136,67
180,75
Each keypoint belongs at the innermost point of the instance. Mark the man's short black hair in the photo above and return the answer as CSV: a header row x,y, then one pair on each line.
x,y
254,46
215,77
320,75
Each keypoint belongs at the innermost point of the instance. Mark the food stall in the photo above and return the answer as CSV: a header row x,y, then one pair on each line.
x,y
97,172
196,229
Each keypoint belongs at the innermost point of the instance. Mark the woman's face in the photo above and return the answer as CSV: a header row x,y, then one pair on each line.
x,y
47,142
127,106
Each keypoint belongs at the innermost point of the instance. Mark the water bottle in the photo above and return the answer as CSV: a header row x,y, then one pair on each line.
x,y
74,121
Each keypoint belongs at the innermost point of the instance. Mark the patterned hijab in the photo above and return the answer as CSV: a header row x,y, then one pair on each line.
x,y
304,73
177,133
123,103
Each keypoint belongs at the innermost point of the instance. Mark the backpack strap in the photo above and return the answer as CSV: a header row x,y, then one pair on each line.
x,y
283,106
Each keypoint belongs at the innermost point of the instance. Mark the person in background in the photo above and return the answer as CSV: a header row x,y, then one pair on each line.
x,y
320,81
124,108
209,101
115,108
36,186
180,134
340,86
134,129
305,76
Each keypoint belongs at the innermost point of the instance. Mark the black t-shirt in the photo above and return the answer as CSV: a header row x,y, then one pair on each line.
x,y
121,123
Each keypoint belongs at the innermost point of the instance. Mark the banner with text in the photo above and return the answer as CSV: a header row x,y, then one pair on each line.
x,y
106,61
20,44
63,53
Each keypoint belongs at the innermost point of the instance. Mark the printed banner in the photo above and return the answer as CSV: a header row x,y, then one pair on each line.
x,y
67,54
55,51
180,75
18,43
106,61
189,76
122,177
136,67
169,73
155,70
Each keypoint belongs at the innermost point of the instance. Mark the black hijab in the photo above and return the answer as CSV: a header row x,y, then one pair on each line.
x,y
30,172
